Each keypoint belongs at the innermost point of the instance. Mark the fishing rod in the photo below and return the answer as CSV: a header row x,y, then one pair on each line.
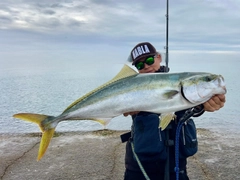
x,y
167,165
167,168
166,47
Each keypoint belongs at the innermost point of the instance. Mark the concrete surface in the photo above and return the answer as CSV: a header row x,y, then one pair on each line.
x,y
100,156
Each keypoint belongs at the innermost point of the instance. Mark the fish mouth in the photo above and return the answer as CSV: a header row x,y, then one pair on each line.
x,y
225,89
222,84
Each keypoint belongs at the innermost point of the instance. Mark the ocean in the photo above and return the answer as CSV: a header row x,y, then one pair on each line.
x,y
49,87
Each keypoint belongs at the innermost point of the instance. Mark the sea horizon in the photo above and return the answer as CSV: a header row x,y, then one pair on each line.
x,y
50,89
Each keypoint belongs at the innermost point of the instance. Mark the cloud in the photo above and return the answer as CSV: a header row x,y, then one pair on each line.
x,y
193,25
92,16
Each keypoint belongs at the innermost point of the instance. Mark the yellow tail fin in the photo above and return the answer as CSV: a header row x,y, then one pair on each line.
x,y
46,138
47,131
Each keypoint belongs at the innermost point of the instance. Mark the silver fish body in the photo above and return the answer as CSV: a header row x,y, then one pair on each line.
x,y
158,93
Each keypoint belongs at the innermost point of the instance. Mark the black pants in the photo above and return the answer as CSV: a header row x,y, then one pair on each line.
x,y
138,175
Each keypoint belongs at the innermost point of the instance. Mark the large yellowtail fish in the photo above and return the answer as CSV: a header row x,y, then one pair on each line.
x,y
129,91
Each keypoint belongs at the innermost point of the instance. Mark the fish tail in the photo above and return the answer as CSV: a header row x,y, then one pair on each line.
x,y
47,132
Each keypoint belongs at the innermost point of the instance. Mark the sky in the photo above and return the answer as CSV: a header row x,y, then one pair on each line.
x,y
106,30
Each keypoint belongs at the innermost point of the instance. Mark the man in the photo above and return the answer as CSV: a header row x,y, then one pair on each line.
x,y
147,60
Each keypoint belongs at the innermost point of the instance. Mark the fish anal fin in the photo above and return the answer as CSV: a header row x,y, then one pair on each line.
x,y
103,121
46,138
165,119
125,72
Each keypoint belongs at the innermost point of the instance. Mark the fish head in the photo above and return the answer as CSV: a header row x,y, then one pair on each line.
x,y
199,88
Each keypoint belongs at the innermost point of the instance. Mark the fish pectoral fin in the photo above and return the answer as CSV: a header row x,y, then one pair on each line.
x,y
47,132
165,119
170,94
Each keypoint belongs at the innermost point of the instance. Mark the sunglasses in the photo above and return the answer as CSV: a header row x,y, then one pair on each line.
x,y
149,61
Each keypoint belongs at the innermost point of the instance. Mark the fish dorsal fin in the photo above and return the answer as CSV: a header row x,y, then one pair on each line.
x,y
125,72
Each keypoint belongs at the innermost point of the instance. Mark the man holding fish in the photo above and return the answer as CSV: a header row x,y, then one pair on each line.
x,y
145,148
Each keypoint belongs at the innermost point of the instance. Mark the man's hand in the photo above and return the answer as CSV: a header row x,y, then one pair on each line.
x,y
215,103
130,113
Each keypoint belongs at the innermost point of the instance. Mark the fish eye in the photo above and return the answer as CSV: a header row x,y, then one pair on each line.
x,y
208,79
